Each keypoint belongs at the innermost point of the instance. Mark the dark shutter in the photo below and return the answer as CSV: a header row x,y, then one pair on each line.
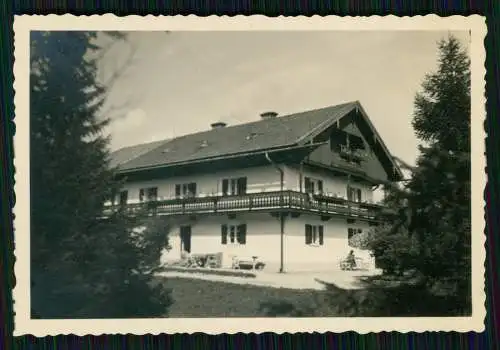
x,y
351,232
308,234
242,234
223,233
320,186
225,187
242,185
320,235
153,193
359,195
192,189
177,191
141,194
349,193
123,197
307,184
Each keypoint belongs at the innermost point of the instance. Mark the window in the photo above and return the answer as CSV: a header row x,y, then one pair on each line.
x,y
185,190
148,194
314,234
313,186
353,194
234,234
234,186
351,232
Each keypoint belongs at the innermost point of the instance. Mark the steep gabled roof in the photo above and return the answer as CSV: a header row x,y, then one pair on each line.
x,y
259,136
127,154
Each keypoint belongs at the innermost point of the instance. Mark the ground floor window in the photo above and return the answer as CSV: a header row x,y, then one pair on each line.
x,y
314,234
234,234
351,236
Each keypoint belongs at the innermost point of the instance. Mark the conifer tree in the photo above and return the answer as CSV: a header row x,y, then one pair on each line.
x,y
433,225
81,265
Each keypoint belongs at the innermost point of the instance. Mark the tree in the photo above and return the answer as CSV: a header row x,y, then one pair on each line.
x,y
81,264
434,204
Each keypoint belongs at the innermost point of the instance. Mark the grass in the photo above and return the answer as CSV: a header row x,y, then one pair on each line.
x,y
201,298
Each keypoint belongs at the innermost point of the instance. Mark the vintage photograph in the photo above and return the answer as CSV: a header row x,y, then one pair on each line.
x,y
250,174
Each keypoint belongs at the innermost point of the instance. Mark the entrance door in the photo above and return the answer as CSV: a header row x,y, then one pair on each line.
x,y
186,239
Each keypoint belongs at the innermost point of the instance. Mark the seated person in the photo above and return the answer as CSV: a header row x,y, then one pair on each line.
x,y
351,259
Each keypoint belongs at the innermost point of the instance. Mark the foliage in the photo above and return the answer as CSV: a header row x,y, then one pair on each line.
x,y
431,233
81,266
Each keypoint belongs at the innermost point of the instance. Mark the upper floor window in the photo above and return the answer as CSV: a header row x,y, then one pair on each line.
x,y
354,194
185,190
148,194
123,198
314,234
234,234
312,185
234,186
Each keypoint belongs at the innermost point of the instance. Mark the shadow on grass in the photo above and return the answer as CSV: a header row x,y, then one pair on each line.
x,y
378,298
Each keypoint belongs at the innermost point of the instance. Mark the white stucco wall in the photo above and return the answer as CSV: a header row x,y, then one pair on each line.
x,y
263,240
259,179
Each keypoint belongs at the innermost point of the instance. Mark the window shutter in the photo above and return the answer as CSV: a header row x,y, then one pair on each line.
x,y
153,193
192,189
307,184
320,186
225,186
308,234
242,185
123,197
177,191
141,194
359,195
320,235
224,234
242,234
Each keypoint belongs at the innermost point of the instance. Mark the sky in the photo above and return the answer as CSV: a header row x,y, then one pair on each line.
x,y
178,83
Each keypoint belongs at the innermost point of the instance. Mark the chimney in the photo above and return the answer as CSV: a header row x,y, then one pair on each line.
x,y
268,115
218,125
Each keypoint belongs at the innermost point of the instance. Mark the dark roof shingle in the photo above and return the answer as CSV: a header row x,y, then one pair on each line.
x,y
249,137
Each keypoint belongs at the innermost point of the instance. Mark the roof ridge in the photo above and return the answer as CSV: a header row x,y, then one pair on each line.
x,y
286,116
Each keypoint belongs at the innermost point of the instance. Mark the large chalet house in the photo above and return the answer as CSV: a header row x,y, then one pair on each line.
x,y
291,190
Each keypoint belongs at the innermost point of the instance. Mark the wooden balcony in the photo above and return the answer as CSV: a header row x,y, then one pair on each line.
x,y
355,155
288,201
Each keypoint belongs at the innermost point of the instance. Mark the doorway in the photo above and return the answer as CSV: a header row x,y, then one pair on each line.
x,y
185,239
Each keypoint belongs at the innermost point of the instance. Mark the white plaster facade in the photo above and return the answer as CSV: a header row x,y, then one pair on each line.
x,y
259,179
263,240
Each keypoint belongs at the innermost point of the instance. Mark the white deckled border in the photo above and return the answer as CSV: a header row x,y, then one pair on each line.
x,y
21,293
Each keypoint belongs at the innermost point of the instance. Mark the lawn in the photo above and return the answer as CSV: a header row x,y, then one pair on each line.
x,y
201,298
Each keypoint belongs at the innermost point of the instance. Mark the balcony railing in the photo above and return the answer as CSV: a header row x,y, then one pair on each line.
x,y
350,154
254,202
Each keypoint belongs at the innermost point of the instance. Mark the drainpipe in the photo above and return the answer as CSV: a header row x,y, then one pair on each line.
x,y
282,216
301,175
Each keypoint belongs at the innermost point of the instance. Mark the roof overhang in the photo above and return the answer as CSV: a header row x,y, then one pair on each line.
x,y
287,154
